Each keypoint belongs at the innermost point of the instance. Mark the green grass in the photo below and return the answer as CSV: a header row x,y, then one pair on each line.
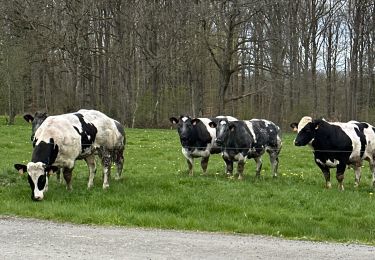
x,y
156,191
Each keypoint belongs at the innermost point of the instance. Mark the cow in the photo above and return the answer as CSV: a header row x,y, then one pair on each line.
x,y
197,139
241,140
296,127
337,144
61,140
35,121
117,156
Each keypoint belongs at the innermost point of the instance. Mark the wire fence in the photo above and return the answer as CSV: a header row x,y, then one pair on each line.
x,y
170,147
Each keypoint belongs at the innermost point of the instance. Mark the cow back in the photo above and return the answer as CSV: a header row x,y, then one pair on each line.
x,y
266,133
109,134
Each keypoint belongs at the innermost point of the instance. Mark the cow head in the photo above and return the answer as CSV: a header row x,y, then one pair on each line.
x,y
35,121
304,121
307,133
223,127
294,126
185,128
37,176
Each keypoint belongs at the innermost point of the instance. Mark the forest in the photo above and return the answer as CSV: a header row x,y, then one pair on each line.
x,y
142,61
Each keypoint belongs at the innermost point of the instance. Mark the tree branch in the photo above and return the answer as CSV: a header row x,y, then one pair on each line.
x,y
244,95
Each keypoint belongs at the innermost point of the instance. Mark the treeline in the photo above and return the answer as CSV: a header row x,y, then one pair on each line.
x,y
141,61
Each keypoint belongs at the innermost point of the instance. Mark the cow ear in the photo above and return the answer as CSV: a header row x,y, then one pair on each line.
x,y
51,169
21,168
212,124
294,126
173,120
195,121
28,118
232,127
316,123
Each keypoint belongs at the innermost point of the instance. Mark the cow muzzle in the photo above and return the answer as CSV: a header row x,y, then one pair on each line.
x,y
37,196
185,141
219,142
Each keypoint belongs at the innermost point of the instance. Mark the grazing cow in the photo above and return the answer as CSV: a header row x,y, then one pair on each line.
x,y
197,139
240,140
337,145
117,155
61,140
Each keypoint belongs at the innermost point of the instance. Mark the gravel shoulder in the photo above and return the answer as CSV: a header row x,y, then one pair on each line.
x,y
22,238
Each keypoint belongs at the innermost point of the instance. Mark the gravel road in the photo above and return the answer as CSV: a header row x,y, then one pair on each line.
x,y
36,239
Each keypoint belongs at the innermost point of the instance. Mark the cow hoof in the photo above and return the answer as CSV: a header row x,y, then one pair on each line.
x,y
356,185
240,177
328,185
105,186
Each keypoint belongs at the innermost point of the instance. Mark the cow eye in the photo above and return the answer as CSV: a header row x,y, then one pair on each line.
x,y
41,182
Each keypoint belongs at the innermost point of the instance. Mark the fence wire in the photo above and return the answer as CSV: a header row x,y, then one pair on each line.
x,y
170,147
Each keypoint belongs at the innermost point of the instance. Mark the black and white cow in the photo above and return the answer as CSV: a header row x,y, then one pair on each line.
x,y
117,156
197,139
240,140
35,121
61,140
337,145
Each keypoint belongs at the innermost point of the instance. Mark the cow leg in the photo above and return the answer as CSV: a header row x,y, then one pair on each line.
x,y
106,163
372,168
90,160
68,177
258,161
190,162
240,169
119,161
228,167
340,175
58,175
274,160
357,171
326,174
204,164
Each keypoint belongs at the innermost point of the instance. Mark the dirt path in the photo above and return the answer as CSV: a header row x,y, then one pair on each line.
x,y
35,239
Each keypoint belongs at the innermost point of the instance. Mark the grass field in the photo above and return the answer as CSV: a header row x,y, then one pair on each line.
x,y
156,191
